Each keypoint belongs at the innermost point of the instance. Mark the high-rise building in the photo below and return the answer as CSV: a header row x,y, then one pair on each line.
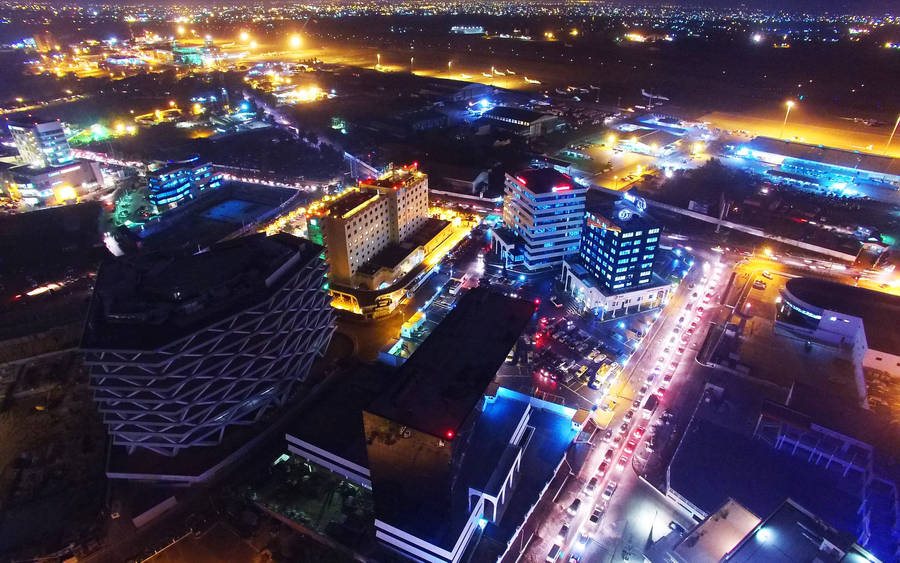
x,y
182,347
615,267
380,211
177,181
619,243
354,227
543,215
406,191
41,145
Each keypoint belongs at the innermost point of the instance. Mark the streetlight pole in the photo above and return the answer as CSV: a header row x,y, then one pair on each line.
x,y
378,58
789,105
449,67
891,138
411,59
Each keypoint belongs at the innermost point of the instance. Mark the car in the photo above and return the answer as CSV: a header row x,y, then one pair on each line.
x,y
609,490
759,284
563,533
766,274
601,471
638,432
581,542
608,435
673,364
680,350
666,350
623,461
581,371
573,508
700,310
595,516
591,486
554,552
610,453
630,445
667,378
641,392
630,414
623,428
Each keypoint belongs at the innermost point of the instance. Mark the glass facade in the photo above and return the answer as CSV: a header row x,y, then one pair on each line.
x,y
620,254
549,221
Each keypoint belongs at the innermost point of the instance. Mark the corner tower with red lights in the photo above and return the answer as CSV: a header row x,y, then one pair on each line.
x,y
543,213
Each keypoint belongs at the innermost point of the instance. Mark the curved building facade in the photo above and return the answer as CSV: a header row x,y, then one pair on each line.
x,y
180,348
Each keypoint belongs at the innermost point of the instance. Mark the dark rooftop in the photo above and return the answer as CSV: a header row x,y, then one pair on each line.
x,y
144,301
878,311
608,207
546,180
447,375
793,534
348,202
827,155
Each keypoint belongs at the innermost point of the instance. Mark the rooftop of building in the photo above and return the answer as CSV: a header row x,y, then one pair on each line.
x,y
791,533
395,177
349,203
547,181
174,165
145,301
877,310
618,211
659,138
444,379
718,534
518,114
416,493
713,463
827,155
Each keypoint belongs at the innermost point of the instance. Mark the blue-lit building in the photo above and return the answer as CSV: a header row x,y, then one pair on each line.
x,y
818,165
178,181
543,214
614,267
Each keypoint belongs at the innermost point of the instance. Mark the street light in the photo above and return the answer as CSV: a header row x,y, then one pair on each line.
x,y
295,42
378,58
789,104
891,138
449,66
245,36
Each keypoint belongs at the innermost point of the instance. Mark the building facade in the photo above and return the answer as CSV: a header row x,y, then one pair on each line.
x,y
544,210
619,245
181,347
614,268
41,145
178,181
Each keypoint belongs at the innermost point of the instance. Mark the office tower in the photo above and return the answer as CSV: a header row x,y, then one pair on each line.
x,y
543,214
41,144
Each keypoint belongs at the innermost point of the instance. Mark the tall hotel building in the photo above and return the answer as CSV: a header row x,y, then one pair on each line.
x,y
543,214
182,347
378,212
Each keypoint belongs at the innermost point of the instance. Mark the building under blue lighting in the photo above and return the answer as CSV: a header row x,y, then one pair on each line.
x,y
614,268
177,181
